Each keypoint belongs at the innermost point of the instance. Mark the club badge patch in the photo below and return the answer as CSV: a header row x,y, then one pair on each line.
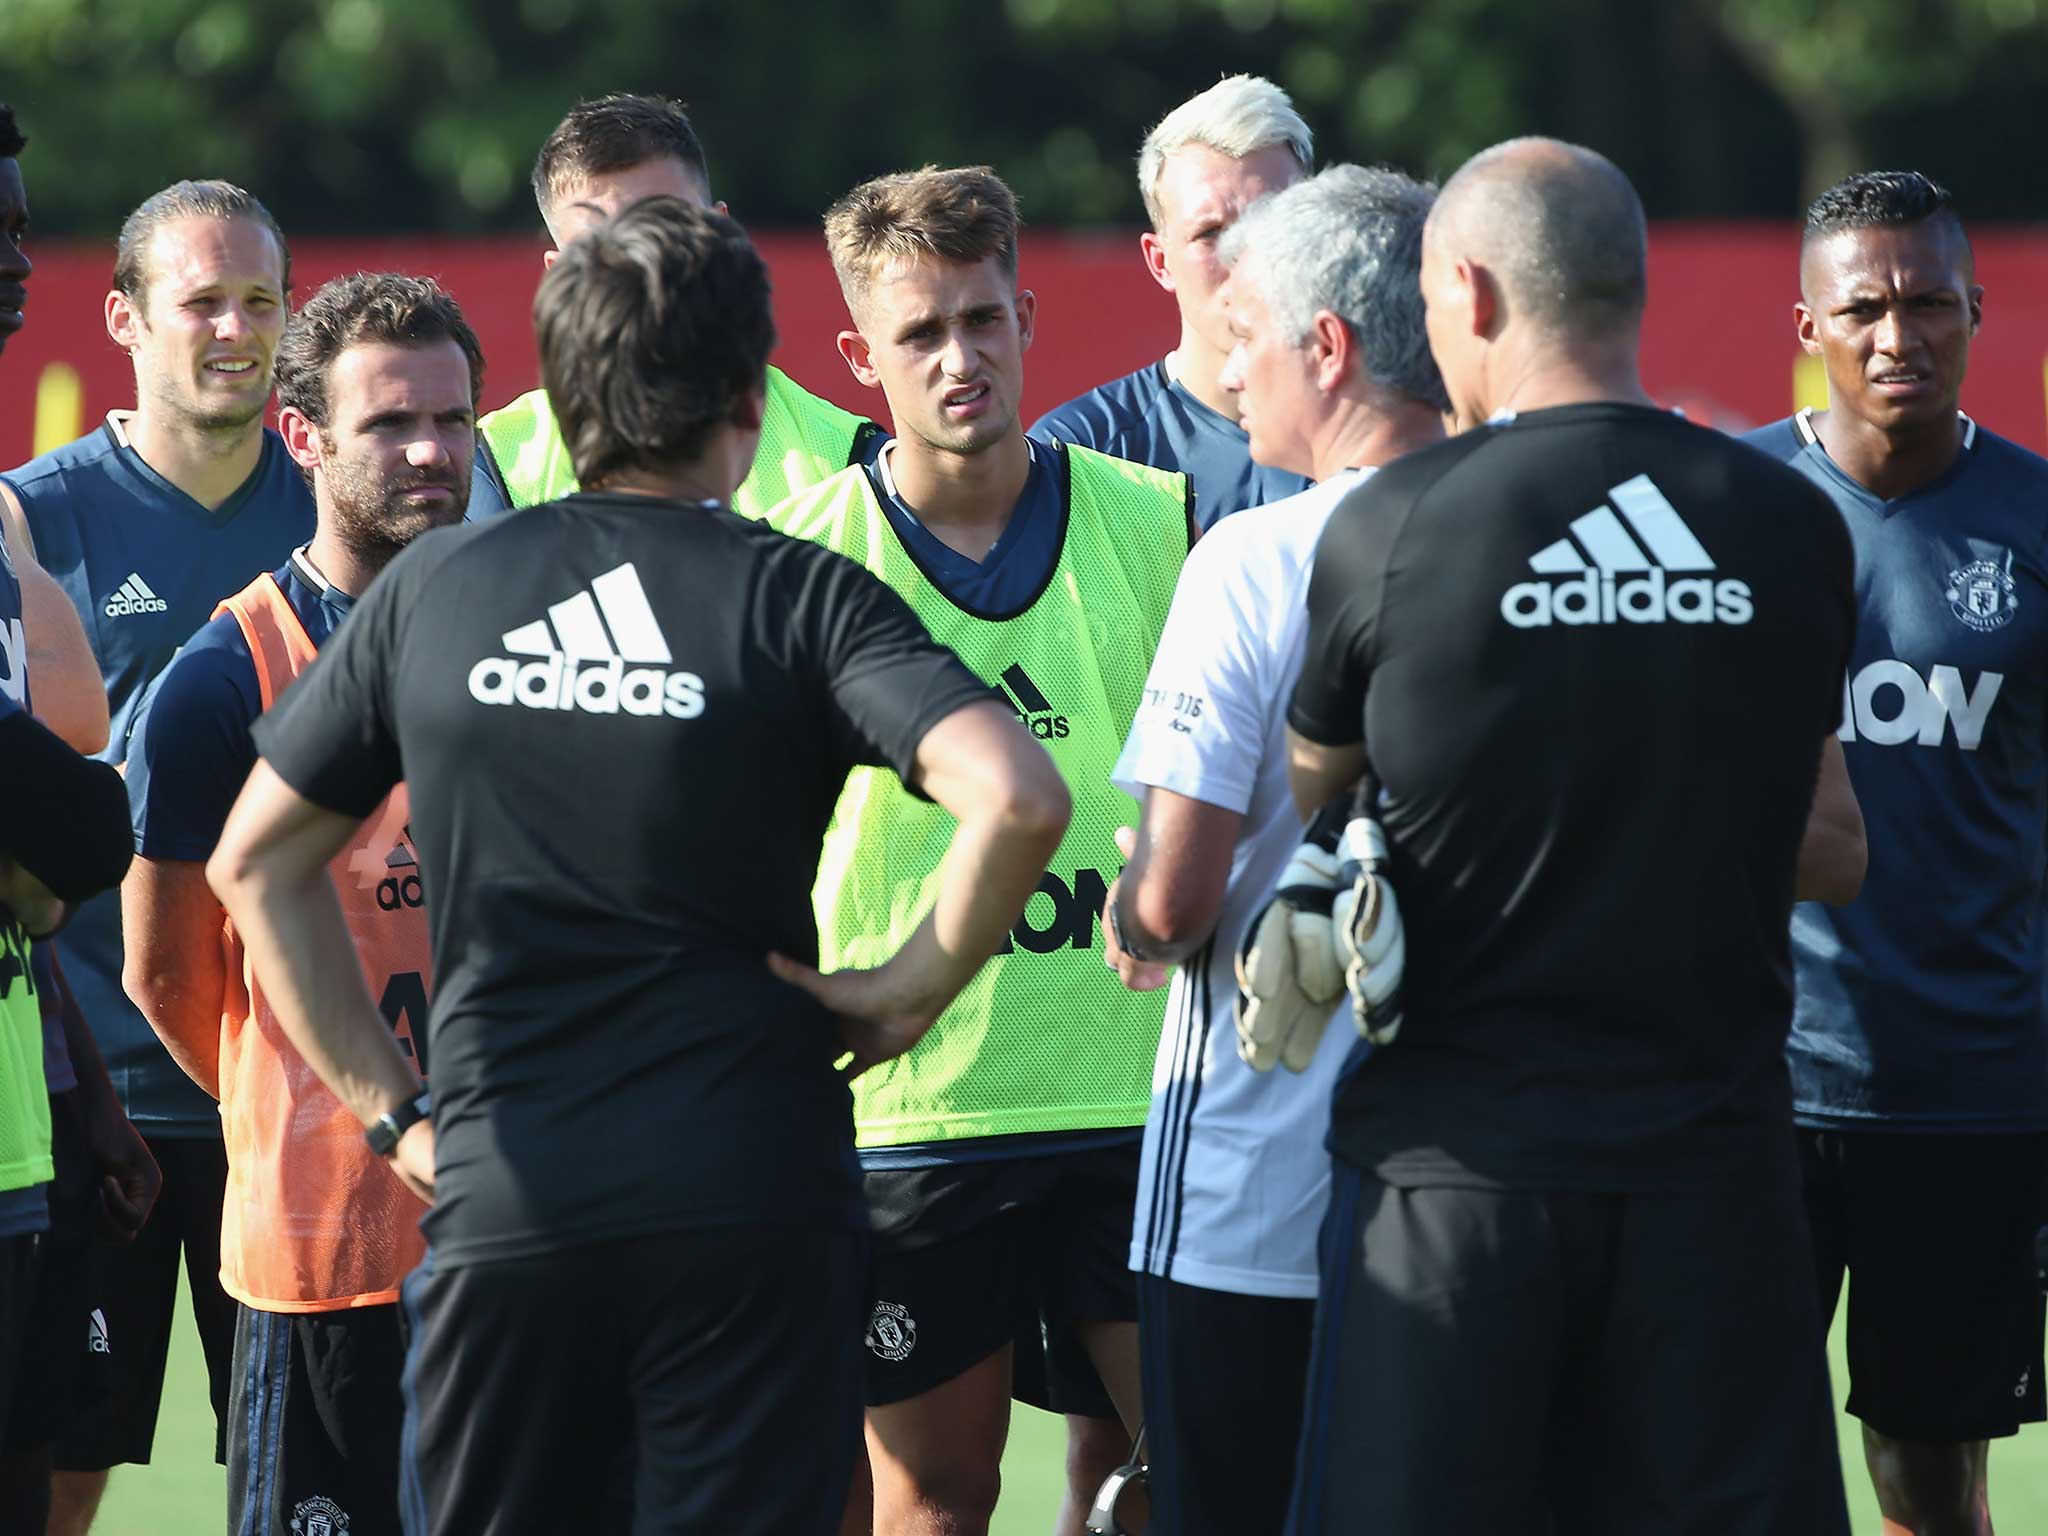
x,y
892,1332
1983,594
319,1517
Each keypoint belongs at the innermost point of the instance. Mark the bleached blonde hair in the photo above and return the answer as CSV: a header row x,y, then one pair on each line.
x,y
1237,116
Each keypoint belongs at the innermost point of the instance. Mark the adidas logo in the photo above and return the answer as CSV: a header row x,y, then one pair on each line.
x,y
133,596
599,652
96,1333
1019,693
401,887
1627,581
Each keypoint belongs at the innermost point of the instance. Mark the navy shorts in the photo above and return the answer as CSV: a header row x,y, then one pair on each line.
x,y
313,1423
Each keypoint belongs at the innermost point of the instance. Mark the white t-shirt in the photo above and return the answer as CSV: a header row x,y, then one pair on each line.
x,y
1235,1176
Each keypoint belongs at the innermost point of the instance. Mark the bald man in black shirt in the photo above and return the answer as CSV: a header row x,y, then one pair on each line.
x,y
1587,655
623,719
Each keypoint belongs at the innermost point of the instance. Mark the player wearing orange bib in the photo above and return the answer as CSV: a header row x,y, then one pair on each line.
x,y
378,378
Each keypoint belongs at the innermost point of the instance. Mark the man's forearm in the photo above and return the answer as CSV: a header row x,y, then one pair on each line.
x,y
96,1089
989,872
299,948
1126,911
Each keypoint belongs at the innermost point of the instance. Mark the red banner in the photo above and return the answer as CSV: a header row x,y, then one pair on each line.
x,y
1718,339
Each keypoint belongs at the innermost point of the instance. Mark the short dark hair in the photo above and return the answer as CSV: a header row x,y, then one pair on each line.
x,y
366,307
1880,200
651,329
967,214
187,200
614,133
11,141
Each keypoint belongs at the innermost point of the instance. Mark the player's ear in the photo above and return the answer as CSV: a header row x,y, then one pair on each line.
x,y
1155,259
749,409
549,257
1332,350
301,437
124,320
859,358
1027,318
1976,307
1808,332
1482,296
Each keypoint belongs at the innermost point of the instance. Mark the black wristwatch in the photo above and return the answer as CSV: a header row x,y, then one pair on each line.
x,y
385,1130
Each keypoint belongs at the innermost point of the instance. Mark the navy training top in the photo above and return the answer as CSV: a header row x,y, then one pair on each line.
x,y
144,564
1920,1004
1151,419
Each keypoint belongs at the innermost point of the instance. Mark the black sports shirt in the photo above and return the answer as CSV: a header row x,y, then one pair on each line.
x,y
1592,653
623,724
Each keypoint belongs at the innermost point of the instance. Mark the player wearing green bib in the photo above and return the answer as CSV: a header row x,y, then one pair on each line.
x,y
606,155
1001,1154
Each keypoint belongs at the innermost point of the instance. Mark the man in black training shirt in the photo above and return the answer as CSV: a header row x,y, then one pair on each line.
x,y
1587,655
623,719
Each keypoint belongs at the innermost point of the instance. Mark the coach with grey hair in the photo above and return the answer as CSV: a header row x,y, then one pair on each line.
x,y
1584,659
1330,363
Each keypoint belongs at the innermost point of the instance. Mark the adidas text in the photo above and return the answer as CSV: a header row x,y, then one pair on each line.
x,y
1597,598
134,596
1631,560
599,651
1032,706
598,688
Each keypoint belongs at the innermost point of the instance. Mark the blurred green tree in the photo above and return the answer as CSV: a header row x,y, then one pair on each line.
x,y
362,116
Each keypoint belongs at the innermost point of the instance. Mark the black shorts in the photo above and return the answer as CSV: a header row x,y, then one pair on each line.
x,y
1224,1376
314,1421
20,1258
1506,1360
55,1390
132,1294
1945,1310
709,1381
1026,1251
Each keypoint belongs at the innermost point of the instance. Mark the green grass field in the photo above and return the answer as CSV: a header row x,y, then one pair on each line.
x,y
182,1492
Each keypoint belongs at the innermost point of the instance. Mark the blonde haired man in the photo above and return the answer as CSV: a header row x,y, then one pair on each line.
x,y
1199,168
1001,1154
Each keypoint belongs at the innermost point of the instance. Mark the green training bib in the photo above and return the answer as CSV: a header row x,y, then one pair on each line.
x,y
803,440
1045,1038
24,1093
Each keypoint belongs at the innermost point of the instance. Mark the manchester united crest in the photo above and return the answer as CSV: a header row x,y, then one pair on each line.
x,y
892,1331
319,1517
1983,594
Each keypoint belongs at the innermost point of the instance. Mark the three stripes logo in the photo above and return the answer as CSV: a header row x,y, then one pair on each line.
x,y
1024,696
401,886
133,596
599,651
1629,579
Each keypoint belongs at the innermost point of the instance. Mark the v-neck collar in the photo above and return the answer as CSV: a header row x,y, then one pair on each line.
x,y
116,429
1809,437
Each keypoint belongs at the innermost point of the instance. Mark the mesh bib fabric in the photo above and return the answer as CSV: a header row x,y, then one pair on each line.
x,y
1045,1038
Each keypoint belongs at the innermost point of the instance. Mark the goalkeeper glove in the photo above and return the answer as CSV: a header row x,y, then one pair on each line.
x,y
1370,938
1289,971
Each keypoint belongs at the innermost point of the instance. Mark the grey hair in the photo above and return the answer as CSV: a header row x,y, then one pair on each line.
x,y
1348,241
1237,116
